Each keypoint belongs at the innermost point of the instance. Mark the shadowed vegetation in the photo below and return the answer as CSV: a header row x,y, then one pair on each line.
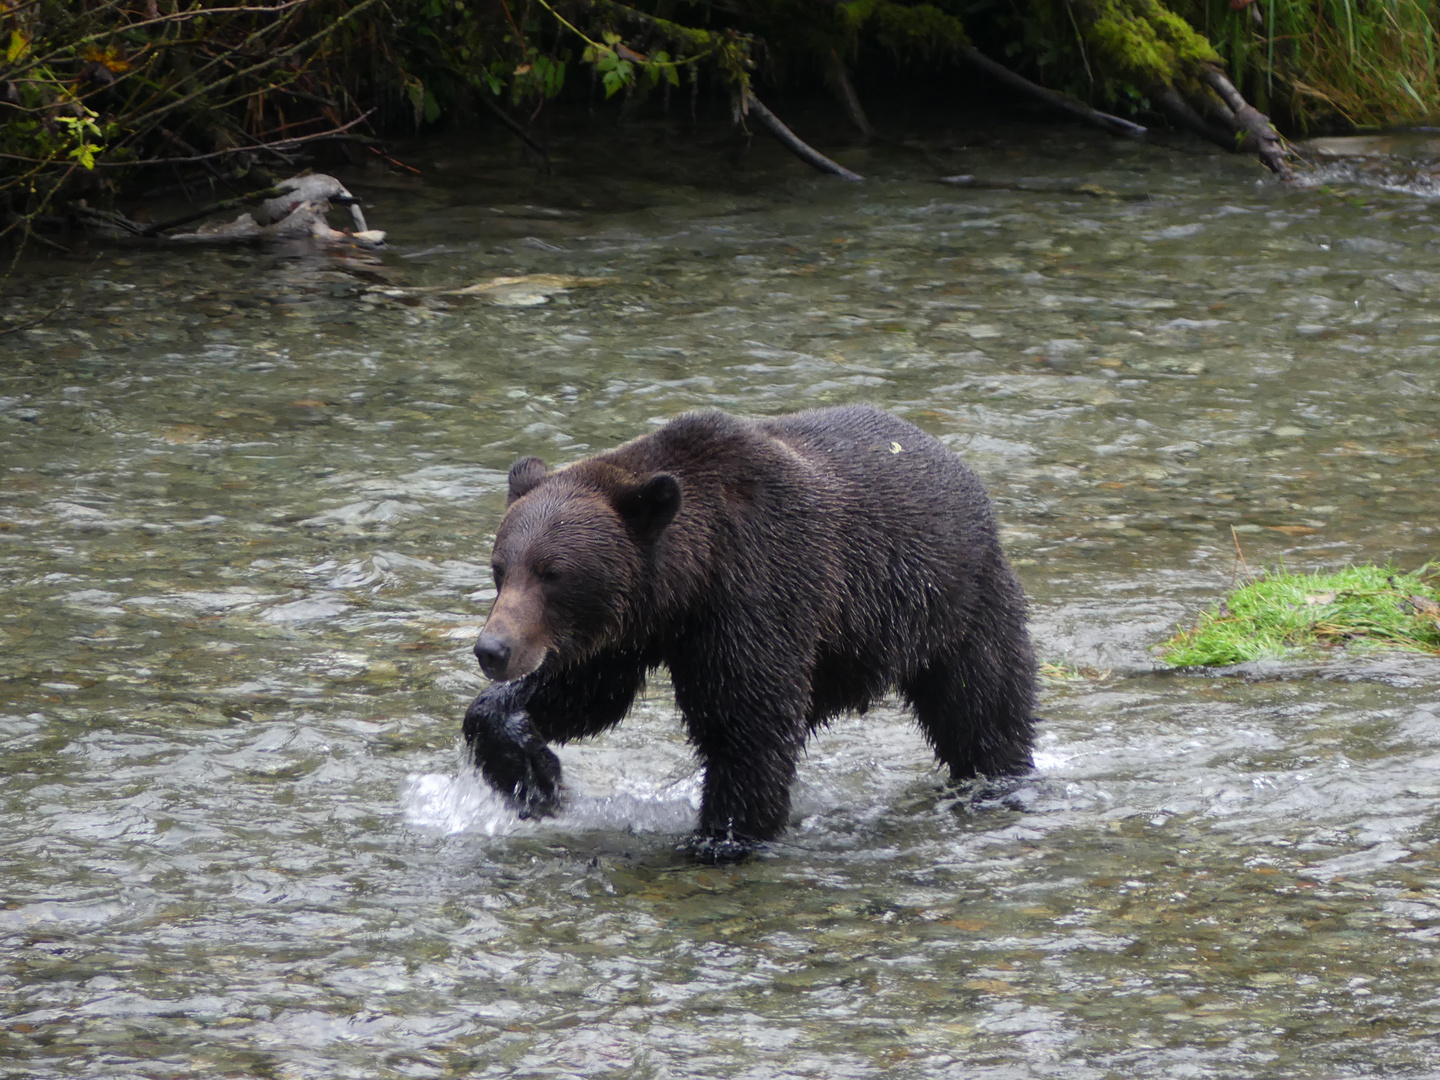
x,y
100,96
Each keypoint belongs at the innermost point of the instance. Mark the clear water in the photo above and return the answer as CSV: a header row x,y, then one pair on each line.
x,y
245,513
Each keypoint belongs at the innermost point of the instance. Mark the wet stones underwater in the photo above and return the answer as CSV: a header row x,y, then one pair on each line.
x,y
246,503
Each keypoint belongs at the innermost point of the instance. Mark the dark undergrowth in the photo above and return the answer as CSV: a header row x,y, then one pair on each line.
x,y
99,97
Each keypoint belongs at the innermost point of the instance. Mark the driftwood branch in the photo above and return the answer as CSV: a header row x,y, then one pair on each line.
x,y
792,142
293,209
215,208
1114,124
517,129
840,84
112,218
37,321
275,203
277,147
1268,145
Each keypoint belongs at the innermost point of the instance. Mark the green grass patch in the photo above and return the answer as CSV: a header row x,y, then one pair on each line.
x,y
1280,613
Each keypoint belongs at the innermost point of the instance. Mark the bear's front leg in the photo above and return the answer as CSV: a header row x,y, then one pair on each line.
x,y
509,753
749,766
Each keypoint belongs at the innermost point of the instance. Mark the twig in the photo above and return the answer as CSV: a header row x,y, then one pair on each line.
x,y
845,91
394,161
277,146
109,217
178,16
1240,556
229,204
797,146
517,129
36,322
270,61
1113,124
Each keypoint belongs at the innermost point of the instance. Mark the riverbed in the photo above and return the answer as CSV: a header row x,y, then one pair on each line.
x,y
246,503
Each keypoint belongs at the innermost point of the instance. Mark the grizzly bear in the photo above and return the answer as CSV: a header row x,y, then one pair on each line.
x,y
784,570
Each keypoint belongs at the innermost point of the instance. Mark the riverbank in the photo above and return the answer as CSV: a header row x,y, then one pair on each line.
x,y
109,99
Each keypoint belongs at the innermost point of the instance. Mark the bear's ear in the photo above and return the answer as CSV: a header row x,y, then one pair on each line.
x,y
525,475
649,507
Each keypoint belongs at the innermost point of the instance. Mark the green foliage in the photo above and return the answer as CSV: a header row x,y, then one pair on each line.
x,y
1144,40
93,90
1372,63
1364,606
80,131
1115,50
921,31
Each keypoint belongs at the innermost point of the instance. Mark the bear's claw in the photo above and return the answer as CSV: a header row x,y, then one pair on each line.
x,y
715,850
538,795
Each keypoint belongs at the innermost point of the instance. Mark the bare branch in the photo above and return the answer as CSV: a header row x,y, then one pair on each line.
x,y
1269,147
36,322
1113,124
797,146
276,146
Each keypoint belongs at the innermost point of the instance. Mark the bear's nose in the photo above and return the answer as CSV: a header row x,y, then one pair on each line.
x,y
493,654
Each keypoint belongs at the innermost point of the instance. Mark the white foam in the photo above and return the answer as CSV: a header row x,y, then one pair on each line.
x,y
463,802
455,804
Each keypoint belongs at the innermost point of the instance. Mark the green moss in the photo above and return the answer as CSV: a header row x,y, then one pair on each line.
x,y
1360,606
920,30
1143,40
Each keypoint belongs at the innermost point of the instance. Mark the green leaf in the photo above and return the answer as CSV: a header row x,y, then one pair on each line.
x,y
615,80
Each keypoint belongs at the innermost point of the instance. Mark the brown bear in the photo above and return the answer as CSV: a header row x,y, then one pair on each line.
x,y
784,570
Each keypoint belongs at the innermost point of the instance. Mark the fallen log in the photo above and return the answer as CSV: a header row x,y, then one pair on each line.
x,y
1183,115
534,145
1268,146
293,209
1114,124
753,106
305,221
844,90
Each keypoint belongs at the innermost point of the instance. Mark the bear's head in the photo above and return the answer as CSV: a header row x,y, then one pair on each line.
x,y
570,561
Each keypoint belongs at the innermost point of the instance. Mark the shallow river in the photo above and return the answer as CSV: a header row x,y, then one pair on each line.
x,y
245,513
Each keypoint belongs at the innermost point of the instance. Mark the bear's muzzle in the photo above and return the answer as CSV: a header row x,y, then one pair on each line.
x,y
494,656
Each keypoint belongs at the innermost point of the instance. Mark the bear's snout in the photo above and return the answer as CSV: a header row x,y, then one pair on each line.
x,y
515,639
494,656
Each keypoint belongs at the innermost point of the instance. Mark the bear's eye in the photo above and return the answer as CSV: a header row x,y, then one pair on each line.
x,y
498,573
548,574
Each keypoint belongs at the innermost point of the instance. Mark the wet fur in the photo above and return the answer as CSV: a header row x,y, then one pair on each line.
x,y
811,568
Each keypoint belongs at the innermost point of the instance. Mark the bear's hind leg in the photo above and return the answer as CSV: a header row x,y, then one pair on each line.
x,y
976,707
